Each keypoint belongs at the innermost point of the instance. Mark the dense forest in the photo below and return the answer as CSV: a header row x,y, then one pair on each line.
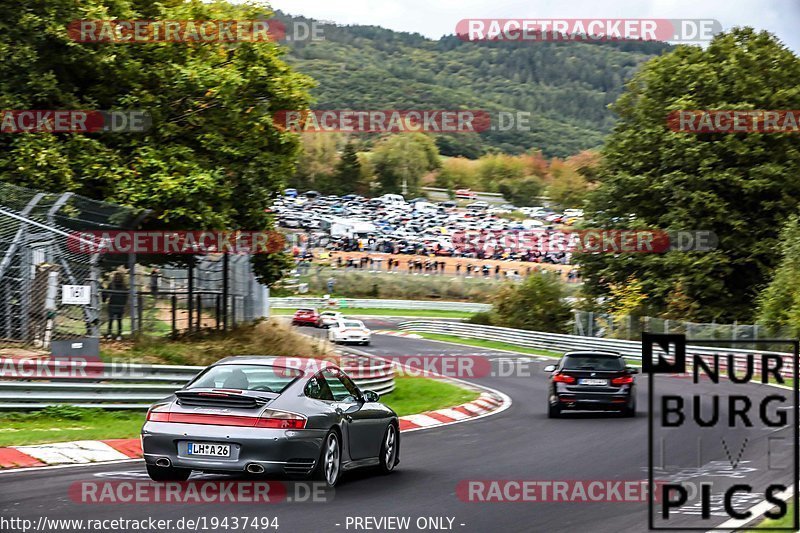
x,y
566,87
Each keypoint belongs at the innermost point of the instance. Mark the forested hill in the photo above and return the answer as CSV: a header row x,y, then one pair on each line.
x,y
566,86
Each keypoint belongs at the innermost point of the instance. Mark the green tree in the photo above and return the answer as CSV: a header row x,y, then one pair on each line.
x,y
568,187
496,168
347,175
317,162
779,302
535,304
213,157
400,161
523,191
737,186
457,172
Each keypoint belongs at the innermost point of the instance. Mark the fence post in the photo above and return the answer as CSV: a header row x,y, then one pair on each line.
x,y
190,299
132,291
140,306
199,312
218,310
225,288
174,315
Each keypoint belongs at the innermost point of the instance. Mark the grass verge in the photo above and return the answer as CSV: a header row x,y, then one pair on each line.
x,y
786,522
414,395
388,312
65,423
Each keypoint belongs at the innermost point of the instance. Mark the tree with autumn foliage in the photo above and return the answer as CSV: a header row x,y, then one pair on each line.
x,y
213,158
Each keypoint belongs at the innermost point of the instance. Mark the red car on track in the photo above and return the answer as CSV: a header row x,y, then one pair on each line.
x,y
466,194
305,317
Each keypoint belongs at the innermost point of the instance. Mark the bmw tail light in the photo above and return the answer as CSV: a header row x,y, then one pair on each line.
x,y
563,378
281,420
623,380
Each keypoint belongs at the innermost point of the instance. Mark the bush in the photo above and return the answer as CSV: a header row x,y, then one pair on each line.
x,y
536,304
382,285
482,318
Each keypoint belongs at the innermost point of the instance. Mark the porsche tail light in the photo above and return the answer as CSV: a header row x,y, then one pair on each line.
x,y
563,378
158,413
281,420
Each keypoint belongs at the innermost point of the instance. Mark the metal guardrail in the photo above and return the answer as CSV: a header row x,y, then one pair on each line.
x,y
344,303
130,387
564,343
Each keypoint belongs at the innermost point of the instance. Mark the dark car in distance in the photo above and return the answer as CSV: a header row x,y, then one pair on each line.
x,y
591,381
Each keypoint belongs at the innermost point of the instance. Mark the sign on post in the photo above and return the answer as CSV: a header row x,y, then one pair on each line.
x,y
76,294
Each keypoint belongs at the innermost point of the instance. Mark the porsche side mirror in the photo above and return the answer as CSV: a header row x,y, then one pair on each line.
x,y
550,368
631,370
371,396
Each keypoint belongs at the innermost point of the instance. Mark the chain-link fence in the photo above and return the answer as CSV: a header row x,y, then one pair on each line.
x,y
53,289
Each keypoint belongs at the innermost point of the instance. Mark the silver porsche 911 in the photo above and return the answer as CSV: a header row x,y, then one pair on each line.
x,y
270,415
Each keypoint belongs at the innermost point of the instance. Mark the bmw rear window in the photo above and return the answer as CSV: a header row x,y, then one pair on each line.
x,y
593,362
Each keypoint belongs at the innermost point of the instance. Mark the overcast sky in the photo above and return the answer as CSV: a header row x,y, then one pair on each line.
x,y
434,18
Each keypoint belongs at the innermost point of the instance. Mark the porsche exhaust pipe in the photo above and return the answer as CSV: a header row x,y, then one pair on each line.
x,y
254,468
163,462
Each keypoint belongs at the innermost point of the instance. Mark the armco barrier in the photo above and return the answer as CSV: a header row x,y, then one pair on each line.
x,y
133,386
559,343
343,304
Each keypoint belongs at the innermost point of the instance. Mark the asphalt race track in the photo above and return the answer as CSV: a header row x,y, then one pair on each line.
x,y
520,443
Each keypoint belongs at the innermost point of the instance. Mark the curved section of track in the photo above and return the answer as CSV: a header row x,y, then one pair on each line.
x,y
520,443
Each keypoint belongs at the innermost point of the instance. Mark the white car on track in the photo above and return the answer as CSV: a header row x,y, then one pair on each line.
x,y
349,330
329,319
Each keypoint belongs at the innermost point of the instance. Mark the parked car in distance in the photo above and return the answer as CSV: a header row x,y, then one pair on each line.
x,y
349,330
466,194
478,206
327,319
305,317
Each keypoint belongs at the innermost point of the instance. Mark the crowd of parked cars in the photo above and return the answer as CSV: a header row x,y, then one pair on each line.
x,y
391,224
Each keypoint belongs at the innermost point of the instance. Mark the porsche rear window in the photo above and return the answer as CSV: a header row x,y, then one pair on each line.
x,y
247,377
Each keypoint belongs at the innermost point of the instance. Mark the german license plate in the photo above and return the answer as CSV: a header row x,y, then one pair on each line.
x,y
595,382
209,449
